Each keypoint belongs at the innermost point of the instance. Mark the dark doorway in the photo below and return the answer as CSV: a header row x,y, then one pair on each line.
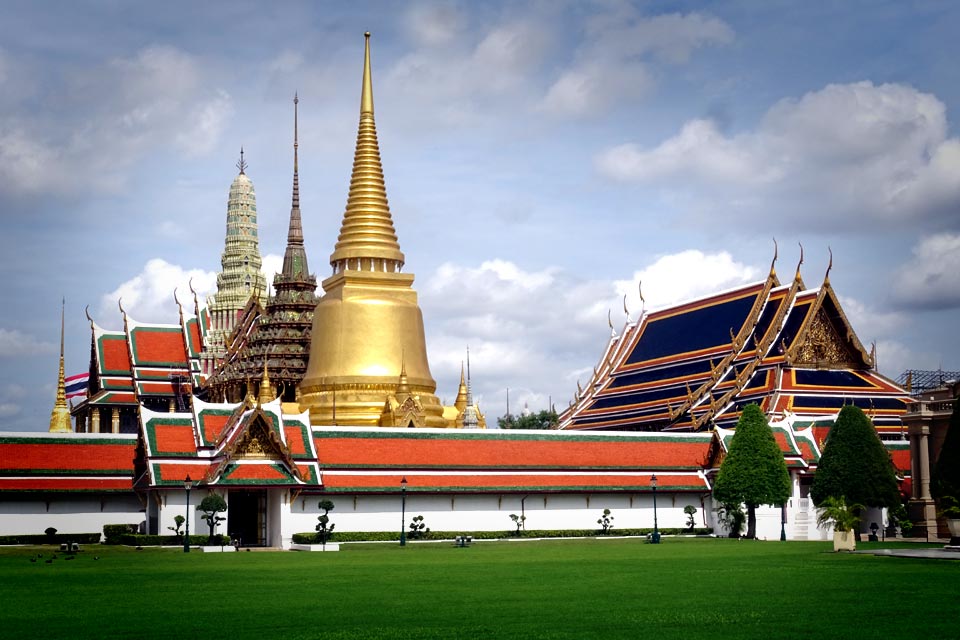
x,y
247,517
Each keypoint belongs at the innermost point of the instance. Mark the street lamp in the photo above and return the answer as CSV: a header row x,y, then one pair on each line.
x,y
783,522
403,511
187,484
655,537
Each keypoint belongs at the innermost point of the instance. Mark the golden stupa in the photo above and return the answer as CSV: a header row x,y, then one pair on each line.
x,y
368,355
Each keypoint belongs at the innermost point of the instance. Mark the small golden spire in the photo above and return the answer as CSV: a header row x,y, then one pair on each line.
x,y
60,416
826,276
403,386
367,237
266,389
797,276
461,402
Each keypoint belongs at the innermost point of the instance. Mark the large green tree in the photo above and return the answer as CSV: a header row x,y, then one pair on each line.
x,y
753,471
855,465
946,470
546,419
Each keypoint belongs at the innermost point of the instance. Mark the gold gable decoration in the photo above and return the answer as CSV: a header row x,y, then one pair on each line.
x,y
257,443
822,346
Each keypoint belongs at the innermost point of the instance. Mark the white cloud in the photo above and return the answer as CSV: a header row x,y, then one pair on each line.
x,y
871,324
17,343
434,25
538,332
837,158
148,296
931,279
115,112
271,265
9,409
613,63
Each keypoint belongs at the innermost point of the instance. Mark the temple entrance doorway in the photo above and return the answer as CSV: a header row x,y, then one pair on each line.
x,y
247,517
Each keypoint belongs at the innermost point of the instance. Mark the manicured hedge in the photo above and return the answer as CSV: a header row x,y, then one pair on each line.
x,y
58,539
139,540
113,532
381,536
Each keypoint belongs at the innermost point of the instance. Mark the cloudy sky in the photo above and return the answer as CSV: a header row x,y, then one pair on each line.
x,y
541,158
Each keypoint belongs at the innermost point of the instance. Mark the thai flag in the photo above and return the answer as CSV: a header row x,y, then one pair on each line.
x,y
76,385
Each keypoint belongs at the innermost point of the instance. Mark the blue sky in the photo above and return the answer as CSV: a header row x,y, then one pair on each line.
x,y
541,158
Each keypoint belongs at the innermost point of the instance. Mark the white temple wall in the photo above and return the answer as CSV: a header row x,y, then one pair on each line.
x,y
69,513
483,512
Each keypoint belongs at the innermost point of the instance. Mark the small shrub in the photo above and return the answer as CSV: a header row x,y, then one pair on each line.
x,y
418,528
518,520
211,505
178,522
690,510
51,533
324,528
605,521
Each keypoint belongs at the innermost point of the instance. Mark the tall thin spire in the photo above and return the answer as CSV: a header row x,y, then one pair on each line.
x,y
60,416
367,240
242,164
295,257
470,419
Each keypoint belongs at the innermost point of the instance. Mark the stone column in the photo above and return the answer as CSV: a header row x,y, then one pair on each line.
x,y
95,420
922,510
115,420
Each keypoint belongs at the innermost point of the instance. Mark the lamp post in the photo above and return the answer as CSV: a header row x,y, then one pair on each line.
x,y
187,484
783,522
655,537
403,511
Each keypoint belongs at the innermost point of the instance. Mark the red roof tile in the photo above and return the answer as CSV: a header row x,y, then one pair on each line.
x,y
61,456
558,482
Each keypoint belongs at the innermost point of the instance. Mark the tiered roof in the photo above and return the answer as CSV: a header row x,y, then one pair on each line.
x,y
694,365
226,444
144,361
78,462
281,335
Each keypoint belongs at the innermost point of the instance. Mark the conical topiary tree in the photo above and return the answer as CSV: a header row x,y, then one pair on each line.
x,y
855,465
753,472
946,469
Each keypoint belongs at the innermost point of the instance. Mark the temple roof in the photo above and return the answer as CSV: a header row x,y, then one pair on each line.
x,y
695,364
40,462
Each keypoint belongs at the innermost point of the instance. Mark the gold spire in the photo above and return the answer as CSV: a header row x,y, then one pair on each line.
x,y
461,402
60,416
266,389
403,387
367,239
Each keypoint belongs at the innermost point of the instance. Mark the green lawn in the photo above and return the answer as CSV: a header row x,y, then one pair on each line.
x,y
682,588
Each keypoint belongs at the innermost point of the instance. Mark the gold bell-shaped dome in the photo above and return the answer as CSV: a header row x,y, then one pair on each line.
x,y
367,327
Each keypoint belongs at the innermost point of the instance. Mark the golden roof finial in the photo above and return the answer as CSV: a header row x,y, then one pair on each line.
x,y
86,311
773,263
367,236
797,276
643,302
826,276
60,416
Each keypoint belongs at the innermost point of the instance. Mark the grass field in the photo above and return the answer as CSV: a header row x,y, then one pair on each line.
x,y
617,588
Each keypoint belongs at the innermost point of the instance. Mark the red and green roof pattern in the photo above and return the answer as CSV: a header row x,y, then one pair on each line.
x,y
39,462
695,365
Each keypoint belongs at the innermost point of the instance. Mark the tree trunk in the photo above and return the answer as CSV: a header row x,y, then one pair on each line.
x,y
751,521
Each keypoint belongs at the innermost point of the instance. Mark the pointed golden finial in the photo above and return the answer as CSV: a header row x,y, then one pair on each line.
x,y
773,263
797,276
643,302
86,311
60,416
826,276
403,387
610,318
367,236
366,93
625,310
266,388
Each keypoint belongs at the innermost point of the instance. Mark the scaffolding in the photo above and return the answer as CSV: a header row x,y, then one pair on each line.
x,y
919,381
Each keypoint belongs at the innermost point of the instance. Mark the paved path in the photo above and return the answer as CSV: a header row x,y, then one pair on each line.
x,y
953,553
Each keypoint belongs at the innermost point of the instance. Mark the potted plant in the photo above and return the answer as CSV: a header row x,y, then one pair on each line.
x,y
844,518
950,511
